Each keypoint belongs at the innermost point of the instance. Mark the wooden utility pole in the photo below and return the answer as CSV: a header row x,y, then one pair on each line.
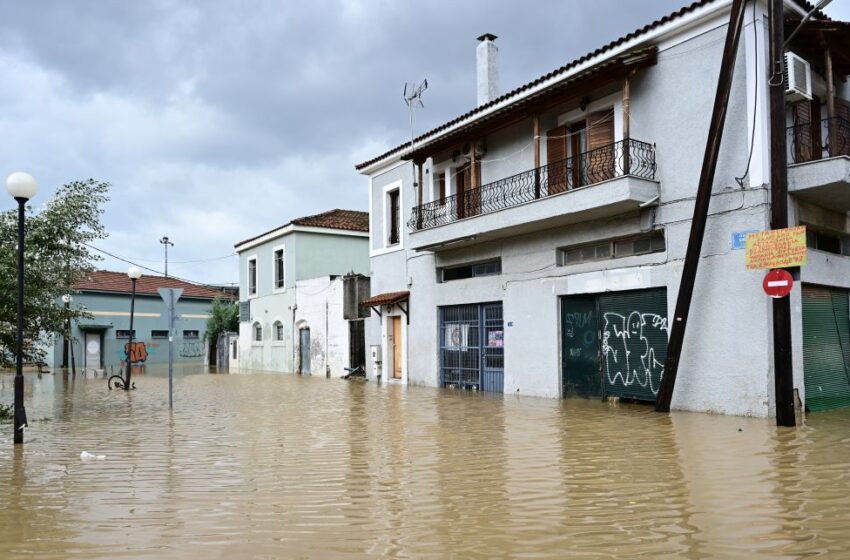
x,y
706,180
782,368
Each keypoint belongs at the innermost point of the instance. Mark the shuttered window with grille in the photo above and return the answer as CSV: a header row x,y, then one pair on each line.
x,y
556,155
600,140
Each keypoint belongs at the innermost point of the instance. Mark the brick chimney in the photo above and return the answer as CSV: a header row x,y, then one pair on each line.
x,y
487,55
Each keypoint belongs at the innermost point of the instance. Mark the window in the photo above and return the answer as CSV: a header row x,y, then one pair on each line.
x,y
441,187
278,331
124,333
159,334
278,269
840,245
258,332
487,268
191,334
394,236
613,249
252,277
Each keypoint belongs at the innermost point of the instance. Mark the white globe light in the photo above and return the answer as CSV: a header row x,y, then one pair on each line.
x,y
21,185
134,272
67,299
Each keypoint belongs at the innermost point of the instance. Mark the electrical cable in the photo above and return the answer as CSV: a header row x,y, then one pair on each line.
x,y
740,180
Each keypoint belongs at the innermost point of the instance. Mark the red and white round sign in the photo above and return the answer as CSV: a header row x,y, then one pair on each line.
x,y
778,283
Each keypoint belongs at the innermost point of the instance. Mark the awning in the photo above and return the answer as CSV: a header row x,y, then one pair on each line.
x,y
388,298
816,36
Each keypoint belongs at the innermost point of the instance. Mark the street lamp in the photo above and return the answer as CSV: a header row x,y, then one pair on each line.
x,y
134,272
22,187
69,344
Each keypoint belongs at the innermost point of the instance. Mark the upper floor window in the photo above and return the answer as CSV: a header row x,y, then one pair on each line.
x,y
831,243
487,268
159,334
440,180
191,334
279,269
119,333
613,248
394,217
252,277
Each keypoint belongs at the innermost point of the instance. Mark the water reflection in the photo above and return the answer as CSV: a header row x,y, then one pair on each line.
x,y
264,465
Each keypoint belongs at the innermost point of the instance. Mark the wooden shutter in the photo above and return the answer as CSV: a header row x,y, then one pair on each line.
x,y
556,154
600,144
802,114
441,187
840,130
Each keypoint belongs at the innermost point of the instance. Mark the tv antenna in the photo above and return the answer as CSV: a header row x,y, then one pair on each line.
x,y
413,99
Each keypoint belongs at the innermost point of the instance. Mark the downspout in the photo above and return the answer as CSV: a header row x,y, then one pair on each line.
x,y
709,166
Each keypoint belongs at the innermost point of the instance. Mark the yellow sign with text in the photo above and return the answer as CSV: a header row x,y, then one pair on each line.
x,y
777,248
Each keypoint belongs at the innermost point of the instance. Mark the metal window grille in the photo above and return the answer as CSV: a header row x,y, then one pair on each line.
x,y
258,332
278,331
124,333
472,346
278,268
159,334
191,334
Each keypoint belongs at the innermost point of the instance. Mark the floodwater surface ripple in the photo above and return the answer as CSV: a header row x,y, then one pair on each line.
x,y
283,466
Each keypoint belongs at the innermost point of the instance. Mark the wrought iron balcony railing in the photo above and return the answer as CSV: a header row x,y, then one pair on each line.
x,y
818,140
626,157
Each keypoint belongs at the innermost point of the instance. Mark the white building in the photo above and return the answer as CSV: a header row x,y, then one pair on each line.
x,y
291,290
534,245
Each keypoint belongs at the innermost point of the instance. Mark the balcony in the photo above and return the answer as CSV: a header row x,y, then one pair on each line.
x,y
819,156
600,183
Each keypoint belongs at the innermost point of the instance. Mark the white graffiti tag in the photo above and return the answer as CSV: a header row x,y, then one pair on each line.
x,y
576,320
629,357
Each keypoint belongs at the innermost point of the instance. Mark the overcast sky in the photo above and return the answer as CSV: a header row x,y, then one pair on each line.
x,y
216,120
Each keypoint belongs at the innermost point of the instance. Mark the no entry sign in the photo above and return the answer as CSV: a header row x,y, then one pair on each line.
x,y
778,283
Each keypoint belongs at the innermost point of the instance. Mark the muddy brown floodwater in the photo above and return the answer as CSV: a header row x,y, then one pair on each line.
x,y
280,466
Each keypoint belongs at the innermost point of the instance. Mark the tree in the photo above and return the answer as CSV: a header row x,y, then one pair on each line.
x,y
224,317
57,256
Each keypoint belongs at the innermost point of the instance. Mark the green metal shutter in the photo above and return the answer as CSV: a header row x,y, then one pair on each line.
x,y
826,347
633,327
580,347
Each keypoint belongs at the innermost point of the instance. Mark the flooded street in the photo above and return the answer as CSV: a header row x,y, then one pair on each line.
x,y
271,465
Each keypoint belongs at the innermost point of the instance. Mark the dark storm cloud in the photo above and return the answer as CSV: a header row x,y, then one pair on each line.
x,y
218,119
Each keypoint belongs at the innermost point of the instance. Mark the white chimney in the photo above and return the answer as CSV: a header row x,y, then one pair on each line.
x,y
487,55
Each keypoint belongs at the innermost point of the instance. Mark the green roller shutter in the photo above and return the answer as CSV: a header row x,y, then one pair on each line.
x,y
633,327
580,346
826,347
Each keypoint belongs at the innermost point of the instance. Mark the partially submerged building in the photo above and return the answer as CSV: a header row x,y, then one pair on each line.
x,y
291,285
534,244
102,340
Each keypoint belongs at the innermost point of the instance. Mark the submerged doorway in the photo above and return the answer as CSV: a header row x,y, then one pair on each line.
x,y
304,345
614,344
396,346
472,353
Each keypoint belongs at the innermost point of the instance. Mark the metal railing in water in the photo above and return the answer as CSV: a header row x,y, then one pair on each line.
x,y
819,140
626,157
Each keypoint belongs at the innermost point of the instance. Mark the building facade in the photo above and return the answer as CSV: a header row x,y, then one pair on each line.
x,y
534,245
292,293
103,340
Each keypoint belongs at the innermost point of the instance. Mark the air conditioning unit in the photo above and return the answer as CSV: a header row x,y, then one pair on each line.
x,y
798,78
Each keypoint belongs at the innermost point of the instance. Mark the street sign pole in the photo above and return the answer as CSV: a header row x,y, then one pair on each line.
x,y
170,297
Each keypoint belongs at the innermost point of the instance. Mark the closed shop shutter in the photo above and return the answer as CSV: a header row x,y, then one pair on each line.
x,y
826,347
634,333
580,347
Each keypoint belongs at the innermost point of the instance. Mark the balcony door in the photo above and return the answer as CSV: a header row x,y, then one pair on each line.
x,y
468,195
592,152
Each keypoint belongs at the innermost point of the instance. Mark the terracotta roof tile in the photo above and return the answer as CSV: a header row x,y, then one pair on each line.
x,y
388,298
119,283
350,220
563,69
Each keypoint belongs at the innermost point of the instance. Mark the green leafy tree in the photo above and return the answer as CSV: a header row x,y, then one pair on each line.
x,y
57,256
224,317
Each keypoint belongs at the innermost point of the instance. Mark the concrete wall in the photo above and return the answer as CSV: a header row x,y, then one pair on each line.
x,y
113,312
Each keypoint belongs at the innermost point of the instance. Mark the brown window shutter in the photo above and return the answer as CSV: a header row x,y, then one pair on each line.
x,y
600,145
441,187
803,148
556,154
840,131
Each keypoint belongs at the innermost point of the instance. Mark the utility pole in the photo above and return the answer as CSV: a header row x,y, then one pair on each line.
x,y
166,242
782,367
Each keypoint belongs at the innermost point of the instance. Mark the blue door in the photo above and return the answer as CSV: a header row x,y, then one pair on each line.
x,y
304,340
472,347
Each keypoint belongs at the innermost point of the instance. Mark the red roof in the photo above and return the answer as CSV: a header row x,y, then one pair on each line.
x,y
119,283
388,298
351,220
615,43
